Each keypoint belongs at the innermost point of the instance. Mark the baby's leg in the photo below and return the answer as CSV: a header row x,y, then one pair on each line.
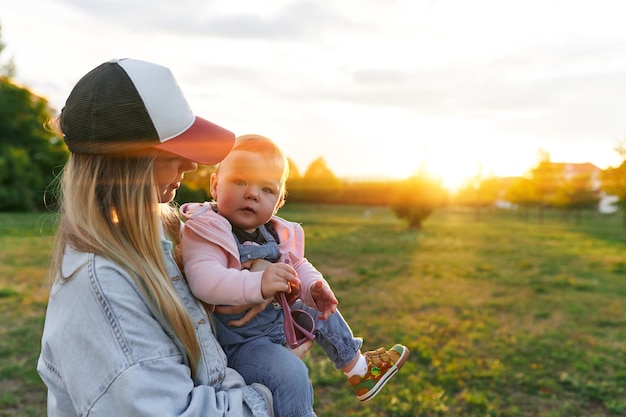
x,y
274,366
334,336
368,372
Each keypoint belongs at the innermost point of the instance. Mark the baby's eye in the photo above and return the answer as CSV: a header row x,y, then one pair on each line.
x,y
268,190
239,182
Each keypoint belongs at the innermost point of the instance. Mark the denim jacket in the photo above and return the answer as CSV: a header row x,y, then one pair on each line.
x,y
104,353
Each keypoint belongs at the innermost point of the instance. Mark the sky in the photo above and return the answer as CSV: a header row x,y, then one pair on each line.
x,y
378,88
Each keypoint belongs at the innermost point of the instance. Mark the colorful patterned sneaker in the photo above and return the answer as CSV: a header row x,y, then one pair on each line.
x,y
381,366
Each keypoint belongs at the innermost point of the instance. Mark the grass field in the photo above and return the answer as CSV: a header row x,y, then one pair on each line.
x,y
503,317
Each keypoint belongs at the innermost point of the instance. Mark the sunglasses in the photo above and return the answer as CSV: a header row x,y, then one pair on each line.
x,y
299,324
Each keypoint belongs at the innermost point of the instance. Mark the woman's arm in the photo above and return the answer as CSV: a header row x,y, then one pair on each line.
x,y
164,387
123,360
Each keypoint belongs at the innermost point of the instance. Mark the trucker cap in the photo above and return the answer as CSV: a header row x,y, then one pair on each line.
x,y
128,105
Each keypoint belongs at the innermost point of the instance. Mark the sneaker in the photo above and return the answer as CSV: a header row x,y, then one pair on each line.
x,y
381,366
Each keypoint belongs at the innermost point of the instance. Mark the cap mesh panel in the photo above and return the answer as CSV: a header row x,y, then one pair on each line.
x,y
105,114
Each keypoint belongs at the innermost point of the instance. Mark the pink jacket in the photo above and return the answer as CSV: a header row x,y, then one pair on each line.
x,y
211,258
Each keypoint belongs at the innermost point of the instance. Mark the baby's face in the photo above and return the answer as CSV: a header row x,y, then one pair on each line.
x,y
248,189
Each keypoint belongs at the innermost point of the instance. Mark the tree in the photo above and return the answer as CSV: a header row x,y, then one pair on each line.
x,y
521,194
30,154
614,183
545,180
479,193
318,185
293,170
614,180
319,171
577,194
416,198
7,69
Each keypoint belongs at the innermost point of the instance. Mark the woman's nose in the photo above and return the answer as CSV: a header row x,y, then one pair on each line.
x,y
187,165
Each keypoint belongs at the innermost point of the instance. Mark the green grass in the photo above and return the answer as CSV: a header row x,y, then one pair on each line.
x,y
503,317
25,240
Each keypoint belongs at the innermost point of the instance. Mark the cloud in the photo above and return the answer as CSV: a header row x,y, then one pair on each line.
x,y
280,21
522,72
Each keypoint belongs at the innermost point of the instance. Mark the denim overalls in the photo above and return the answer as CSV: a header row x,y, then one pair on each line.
x,y
256,350
269,322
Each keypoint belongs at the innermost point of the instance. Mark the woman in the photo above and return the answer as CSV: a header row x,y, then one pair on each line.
x,y
123,335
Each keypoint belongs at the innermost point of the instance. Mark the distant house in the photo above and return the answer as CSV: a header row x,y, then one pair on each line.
x,y
572,170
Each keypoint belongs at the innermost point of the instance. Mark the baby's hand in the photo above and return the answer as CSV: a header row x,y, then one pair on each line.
x,y
278,277
293,294
324,298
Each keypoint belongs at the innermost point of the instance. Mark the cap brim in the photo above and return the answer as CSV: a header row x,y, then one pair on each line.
x,y
204,142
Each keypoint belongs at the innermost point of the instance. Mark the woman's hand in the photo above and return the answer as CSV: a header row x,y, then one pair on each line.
x,y
301,350
253,310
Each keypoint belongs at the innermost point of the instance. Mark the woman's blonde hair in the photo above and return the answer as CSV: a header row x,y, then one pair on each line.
x,y
109,206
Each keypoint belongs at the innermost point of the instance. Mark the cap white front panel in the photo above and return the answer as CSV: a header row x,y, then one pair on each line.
x,y
162,97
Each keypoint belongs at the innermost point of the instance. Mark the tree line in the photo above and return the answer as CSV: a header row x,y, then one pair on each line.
x,y
31,157
550,186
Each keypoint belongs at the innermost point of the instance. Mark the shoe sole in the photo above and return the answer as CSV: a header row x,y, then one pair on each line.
x,y
392,371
